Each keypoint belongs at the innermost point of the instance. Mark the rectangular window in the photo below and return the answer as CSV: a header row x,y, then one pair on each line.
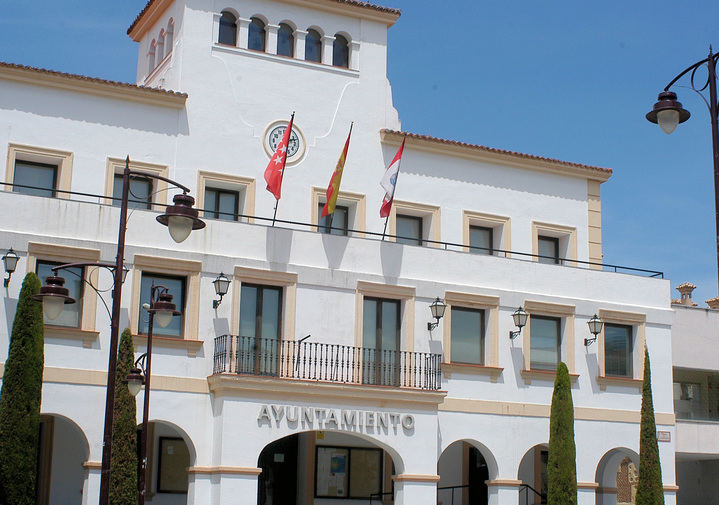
x,y
381,332
140,196
172,466
481,240
260,329
545,339
409,229
340,221
688,401
467,336
347,472
618,350
41,178
221,204
175,287
71,315
548,250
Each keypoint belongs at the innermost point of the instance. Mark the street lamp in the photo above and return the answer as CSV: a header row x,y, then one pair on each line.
x,y
160,306
181,219
668,113
10,262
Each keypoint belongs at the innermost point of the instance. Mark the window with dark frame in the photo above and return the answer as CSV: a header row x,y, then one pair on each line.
x,y
228,29
548,250
545,342
618,350
221,204
481,240
381,334
256,40
285,40
409,229
140,196
313,46
340,52
71,315
340,221
172,464
467,337
176,286
352,472
260,329
41,178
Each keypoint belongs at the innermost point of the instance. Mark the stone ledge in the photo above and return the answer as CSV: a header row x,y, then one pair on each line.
x,y
61,332
192,346
465,368
544,375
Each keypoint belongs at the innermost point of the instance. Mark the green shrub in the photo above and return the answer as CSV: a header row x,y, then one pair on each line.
x,y
561,465
650,490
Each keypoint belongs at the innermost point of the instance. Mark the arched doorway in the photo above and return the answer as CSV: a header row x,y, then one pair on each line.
x,y
62,453
533,474
321,466
463,469
170,453
617,475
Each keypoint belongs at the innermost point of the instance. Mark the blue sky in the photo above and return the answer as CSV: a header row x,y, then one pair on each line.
x,y
564,79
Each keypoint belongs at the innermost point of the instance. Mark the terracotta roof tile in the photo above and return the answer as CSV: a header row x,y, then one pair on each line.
x,y
356,3
118,84
457,143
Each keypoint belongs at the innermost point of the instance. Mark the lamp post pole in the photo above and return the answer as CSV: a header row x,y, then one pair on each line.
x,y
668,112
145,411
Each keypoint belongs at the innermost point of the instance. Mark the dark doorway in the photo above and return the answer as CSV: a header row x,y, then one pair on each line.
x,y
278,480
478,475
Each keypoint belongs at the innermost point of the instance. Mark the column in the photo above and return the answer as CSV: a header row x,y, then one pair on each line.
x,y
354,55
91,487
236,488
502,491
243,32
271,39
216,27
587,493
327,42
415,489
300,44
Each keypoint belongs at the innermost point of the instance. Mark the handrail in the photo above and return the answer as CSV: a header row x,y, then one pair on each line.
x,y
452,488
493,251
379,496
527,487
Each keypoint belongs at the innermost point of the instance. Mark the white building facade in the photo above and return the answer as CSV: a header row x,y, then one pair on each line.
x,y
372,405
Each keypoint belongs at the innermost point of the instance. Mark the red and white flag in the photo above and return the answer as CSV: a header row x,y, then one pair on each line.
x,y
389,182
276,168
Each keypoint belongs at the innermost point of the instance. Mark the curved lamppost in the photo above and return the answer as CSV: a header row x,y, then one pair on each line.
x,y
160,306
668,113
180,218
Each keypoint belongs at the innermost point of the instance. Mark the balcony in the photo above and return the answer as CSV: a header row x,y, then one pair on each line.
x,y
326,363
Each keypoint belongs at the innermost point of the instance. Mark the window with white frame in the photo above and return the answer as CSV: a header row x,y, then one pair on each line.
x,y
285,40
228,29
340,52
257,35
313,46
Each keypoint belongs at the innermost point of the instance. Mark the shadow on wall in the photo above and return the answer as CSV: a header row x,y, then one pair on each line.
x,y
391,258
335,247
10,309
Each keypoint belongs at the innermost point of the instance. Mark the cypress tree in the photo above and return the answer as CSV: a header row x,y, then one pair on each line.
x,y
561,464
20,400
123,464
650,490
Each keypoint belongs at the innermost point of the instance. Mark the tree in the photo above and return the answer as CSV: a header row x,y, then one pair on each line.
x,y
561,464
20,400
123,465
650,490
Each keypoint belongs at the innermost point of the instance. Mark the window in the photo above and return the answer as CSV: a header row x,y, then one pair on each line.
x,y
340,52
467,336
71,316
176,287
285,40
409,230
160,47
545,342
381,341
228,29
339,221
140,196
481,240
260,329
151,58
169,36
172,465
618,350
256,39
40,177
221,204
548,250
347,472
313,46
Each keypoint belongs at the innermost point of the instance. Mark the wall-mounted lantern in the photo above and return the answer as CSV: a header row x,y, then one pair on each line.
x,y
520,319
437,309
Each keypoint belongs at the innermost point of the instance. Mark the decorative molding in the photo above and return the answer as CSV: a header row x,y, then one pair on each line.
x,y
63,160
561,232
587,485
159,188
227,470
616,316
476,301
638,322
503,223
233,182
385,290
608,380
448,369
404,293
422,210
92,465
594,223
567,327
192,346
358,200
504,483
548,309
415,477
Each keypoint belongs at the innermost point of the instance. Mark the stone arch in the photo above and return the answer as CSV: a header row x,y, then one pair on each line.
x,y
614,476
532,473
467,463
181,431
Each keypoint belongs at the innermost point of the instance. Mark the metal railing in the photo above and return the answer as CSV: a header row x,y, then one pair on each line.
x,y
313,361
526,488
450,246
380,497
452,491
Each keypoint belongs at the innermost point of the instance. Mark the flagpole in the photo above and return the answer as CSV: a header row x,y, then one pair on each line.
x,y
385,226
284,166
384,232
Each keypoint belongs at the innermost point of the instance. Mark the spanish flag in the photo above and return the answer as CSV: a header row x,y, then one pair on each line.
x,y
334,188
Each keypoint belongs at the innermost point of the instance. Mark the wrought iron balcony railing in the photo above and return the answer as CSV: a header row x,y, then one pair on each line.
x,y
313,361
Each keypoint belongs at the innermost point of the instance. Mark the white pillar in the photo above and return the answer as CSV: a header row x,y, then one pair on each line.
x,y
327,42
235,489
503,491
411,492
587,494
300,44
354,55
243,32
91,487
271,39
215,27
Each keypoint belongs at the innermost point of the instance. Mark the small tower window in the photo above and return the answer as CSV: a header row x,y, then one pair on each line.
x,y
169,36
160,47
228,29
151,58
285,40
257,35
340,52
313,46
